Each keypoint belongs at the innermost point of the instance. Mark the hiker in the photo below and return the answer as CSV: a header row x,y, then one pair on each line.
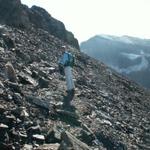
x,y
66,63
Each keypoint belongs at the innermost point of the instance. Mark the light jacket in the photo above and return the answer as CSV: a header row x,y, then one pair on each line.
x,y
67,59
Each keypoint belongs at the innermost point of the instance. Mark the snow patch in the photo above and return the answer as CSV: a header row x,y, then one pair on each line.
x,y
123,39
131,56
109,37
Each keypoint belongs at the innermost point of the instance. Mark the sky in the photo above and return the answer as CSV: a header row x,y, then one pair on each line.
x,y
86,18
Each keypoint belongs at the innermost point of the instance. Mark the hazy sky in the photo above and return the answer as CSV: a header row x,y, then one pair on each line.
x,y
86,18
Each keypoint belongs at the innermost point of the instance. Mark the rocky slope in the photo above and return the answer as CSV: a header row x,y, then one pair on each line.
x,y
129,56
108,111
13,13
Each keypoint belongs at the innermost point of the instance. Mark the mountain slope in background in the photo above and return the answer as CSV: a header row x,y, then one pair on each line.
x,y
127,55
108,112
13,13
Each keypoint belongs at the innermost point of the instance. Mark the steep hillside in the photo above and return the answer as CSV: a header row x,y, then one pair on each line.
x,y
108,111
129,56
13,13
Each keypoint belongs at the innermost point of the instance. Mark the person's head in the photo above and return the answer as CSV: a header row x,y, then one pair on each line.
x,y
63,48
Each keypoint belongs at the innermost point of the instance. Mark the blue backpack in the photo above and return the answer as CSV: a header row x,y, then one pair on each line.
x,y
66,60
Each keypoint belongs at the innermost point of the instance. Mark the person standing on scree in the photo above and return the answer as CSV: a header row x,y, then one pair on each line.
x,y
66,63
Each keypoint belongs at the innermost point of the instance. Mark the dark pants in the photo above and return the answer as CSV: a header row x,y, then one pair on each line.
x,y
69,97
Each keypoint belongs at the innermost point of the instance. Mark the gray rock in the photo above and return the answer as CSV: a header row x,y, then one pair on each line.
x,y
71,142
27,147
9,42
24,113
10,119
43,83
2,50
4,133
38,138
14,86
86,137
52,70
34,130
41,103
26,79
10,72
18,98
3,126
48,147
53,136
2,109
24,57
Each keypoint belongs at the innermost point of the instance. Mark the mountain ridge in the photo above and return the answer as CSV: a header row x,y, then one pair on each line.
x,y
14,13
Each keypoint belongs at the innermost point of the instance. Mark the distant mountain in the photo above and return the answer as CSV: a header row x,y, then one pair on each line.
x,y
127,55
13,13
